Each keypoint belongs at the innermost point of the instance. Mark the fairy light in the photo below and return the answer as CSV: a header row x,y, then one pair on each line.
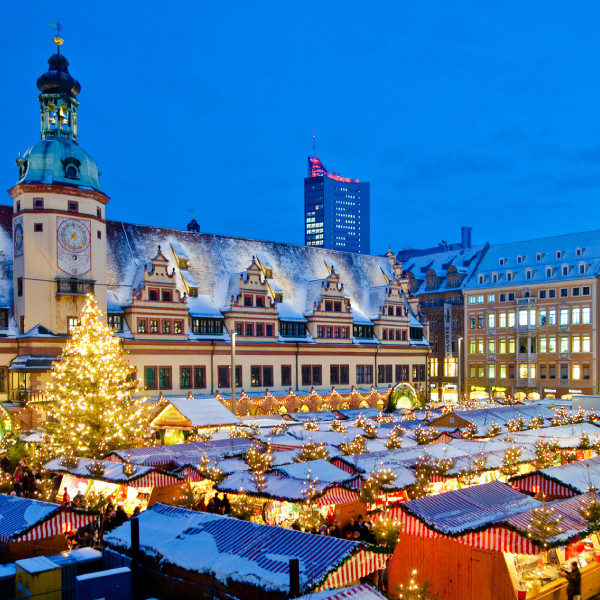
x,y
90,395
470,431
338,426
543,525
311,425
394,439
425,435
356,446
509,467
377,480
494,429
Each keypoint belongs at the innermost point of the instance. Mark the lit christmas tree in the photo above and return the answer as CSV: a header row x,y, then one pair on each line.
x,y
243,507
311,425
380,478
259,460
394,439
469,432
590,509
337,425
90,396
309,516
510,467
544,454
356,446
386,532
543,525
414,590
494,429
312,451
536,423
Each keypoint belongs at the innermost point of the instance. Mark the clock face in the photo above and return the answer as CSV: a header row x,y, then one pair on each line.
x,y
18,238
73,236
73,245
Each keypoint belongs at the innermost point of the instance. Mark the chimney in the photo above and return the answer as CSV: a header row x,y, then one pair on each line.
x,y
465,236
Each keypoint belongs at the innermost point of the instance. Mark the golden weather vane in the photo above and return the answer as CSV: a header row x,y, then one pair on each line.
x,y
58,39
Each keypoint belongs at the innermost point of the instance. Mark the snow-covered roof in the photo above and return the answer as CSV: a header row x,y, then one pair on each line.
x,y
470,508
19,515
216,262
219,546
207,412
579,475
319,469
202,306
361,591
544,258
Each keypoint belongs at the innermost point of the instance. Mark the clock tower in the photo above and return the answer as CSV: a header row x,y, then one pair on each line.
x,y
59,227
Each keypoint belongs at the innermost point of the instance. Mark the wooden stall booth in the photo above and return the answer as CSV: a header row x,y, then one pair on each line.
x,y
125,483
478,543
30,528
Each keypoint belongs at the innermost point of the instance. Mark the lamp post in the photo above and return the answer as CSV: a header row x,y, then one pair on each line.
x,y
460,369
233,378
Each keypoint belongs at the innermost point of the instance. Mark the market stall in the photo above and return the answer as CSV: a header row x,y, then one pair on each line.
x,y
183,546
480,542
127,484
30,527
562,481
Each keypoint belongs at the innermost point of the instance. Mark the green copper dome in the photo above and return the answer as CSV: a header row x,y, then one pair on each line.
x,y
59,161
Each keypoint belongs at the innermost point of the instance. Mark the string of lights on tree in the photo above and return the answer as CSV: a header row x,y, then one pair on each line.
x,y
91,401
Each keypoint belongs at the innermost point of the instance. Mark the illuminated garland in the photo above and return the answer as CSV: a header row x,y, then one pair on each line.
x,y
515,425
259,460
90,395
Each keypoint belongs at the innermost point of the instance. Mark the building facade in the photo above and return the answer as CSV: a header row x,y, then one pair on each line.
x,y
439,279
531,313
336,210
313,327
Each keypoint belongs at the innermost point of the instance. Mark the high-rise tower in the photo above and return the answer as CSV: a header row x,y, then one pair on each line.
x,y
336,210
59,231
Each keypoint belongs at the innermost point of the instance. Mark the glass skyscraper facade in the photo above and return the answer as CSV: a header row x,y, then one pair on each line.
x,y
336,210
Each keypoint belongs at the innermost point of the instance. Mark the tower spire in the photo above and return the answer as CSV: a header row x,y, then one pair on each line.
x,y
57,99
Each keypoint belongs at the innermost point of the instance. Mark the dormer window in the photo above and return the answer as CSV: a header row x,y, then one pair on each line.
x,y
520,259
71,167
501,261
495,278
481,278
509,275
539,257
529,274
582,268
559,254
549,271
578,251
565,269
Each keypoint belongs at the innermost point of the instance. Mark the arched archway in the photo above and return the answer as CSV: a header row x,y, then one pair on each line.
x,y
325,406
257,410
380,404
303,408
403,395
345,405
364,404
282,410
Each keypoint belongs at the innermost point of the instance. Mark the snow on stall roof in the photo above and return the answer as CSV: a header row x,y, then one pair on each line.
x,y
113,471
567,436
233,550
470,508
17,514
320,469
208,412
579,475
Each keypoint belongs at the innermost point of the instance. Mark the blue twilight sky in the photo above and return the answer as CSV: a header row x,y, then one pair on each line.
x,y
458,113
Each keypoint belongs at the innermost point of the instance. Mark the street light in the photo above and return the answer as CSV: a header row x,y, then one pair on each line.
x,y
460,343
233,378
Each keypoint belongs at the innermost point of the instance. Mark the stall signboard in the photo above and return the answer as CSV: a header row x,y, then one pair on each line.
x,y
447,330
575,392
478,388
549,391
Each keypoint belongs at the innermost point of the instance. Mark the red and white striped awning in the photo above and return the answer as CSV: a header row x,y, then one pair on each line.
x,y
496,537
340,464
337,495
357,566
153,480
63,521
537,483
190,474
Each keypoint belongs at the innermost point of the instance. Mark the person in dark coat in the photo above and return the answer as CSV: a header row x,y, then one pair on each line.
x,y
573,578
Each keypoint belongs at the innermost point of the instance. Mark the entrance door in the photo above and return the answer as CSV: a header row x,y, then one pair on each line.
x,y
481,575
